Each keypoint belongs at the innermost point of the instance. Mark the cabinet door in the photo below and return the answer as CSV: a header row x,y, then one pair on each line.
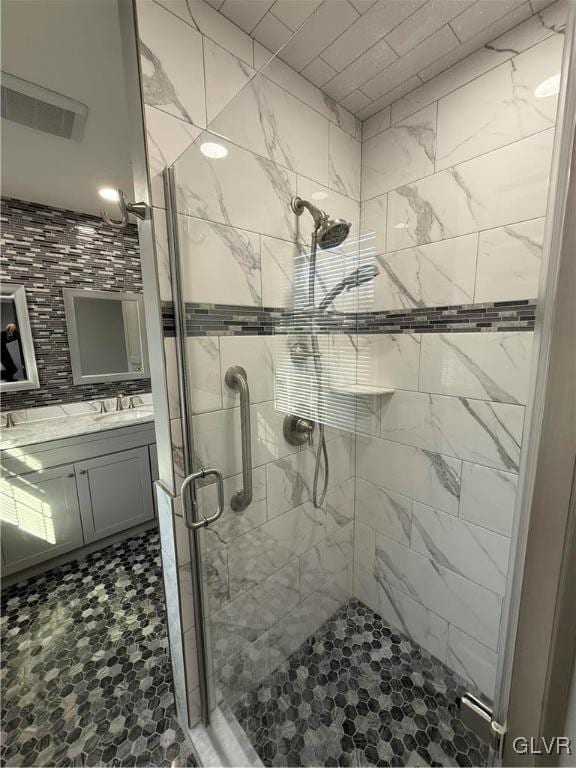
x,y
40,517
115,492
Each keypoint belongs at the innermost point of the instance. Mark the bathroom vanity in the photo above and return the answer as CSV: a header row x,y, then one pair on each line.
x,y
70,482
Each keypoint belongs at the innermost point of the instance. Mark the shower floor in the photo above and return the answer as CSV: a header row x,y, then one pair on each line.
x,y
358,693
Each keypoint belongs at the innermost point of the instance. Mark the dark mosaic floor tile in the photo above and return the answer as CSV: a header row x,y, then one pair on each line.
x,y
85,673
387,703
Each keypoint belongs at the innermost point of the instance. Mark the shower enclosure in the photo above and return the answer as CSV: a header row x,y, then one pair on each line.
x,y
352,318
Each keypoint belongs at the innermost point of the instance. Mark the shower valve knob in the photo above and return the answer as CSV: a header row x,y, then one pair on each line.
x,y
298,430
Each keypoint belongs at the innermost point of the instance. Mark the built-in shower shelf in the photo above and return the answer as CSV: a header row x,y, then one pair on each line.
x,y
361,389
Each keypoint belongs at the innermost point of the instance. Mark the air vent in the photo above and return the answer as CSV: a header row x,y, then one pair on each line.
x,y
47,111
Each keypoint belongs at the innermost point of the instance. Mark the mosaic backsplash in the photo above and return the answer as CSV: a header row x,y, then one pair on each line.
x,y
48,249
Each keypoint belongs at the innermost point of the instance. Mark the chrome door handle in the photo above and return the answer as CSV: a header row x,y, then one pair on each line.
x,y
236,378
194,525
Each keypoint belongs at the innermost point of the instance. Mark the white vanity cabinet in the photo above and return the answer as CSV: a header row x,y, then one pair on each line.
x,y
65,494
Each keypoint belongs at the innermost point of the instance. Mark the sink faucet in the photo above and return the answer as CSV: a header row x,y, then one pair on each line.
x,y
9,420
119,403
134,401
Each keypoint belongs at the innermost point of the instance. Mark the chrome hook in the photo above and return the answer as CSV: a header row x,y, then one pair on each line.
x,y
136,209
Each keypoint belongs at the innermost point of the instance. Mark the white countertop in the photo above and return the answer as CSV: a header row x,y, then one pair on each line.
x,y
41,431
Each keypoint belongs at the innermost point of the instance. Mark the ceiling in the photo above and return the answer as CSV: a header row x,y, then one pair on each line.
x,y
72,48
365,54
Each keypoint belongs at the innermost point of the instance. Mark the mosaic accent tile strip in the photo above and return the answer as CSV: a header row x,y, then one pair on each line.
x,y
48,249
232,320
85,672
359,693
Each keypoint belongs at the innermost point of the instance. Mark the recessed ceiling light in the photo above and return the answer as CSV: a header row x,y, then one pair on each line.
x,y
109,193
319,195
213,150
549,87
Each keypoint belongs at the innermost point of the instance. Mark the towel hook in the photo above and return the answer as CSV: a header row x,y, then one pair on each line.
x,y
136,209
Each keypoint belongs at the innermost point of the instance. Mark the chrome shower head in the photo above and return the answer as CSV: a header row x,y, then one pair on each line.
x,y
330,233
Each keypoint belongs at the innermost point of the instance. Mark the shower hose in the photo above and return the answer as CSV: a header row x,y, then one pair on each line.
x,y
321,451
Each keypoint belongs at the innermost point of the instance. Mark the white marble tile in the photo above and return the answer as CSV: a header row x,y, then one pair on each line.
x,y
318,72
423,22
340,207
269,121
355,101
384,511
340,505
500,107
373,224
487,366
240,190
289,481
172,379
279,259
260,552
271,32
469,550
364,545
218,28
389,360
488,497
477,431
169,50
375,58
400,611
458,600
268,443
376,124
178,8
203,353
504,186
217,441
344,163
220,265
389,97
327,567
509,260
167,137
215,579
437,274
162,254
254,354
419,474
472,661
400,154
225,74
294,14
232,523
245,13
481,15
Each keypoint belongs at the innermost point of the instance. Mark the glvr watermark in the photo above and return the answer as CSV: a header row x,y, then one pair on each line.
x,y
555,745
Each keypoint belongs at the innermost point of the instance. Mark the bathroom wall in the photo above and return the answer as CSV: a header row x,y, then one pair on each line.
x,y
268,572
454,186
45,250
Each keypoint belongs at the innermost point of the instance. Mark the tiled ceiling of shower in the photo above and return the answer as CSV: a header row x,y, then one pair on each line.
x,y
367,53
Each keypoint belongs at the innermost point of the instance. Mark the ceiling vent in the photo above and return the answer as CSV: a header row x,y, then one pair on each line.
x,y
47,111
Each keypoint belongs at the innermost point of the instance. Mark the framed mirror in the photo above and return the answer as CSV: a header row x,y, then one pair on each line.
x,y
18,359
106,335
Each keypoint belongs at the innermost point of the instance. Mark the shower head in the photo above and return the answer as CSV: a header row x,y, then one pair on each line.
x,y
330,233
364,274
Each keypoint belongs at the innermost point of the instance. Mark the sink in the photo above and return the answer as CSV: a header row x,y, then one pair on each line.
x,y
131,414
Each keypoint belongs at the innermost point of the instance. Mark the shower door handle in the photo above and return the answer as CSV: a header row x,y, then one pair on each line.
x,y
236,378
194,525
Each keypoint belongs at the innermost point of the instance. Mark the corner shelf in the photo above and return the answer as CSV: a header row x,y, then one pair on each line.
x,y
361,389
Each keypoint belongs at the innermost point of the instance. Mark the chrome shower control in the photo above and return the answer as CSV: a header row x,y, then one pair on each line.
x,y
298,430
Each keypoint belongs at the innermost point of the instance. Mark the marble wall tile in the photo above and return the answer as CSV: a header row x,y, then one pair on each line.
x,y
509,260
437,274
289,481
488,497
203,354
162,254
400,154
340,505
389,360
501,187
254,354
264,550
268,443
364,545
220,265
217,27
500,107
327,567
384,511
270,122
481,432
172,385
419,474
339,207
373,224
469,550
376,124
279,260
169,50
488,366
240,190
215,579
397,609
344,163
217,441
472,661
167,137
226,75
458,600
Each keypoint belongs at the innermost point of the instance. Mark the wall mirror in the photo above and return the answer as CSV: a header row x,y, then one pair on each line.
x,y
106,334
18,360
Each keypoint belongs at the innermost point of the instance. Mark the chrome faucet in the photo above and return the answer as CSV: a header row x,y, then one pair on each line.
x,y
9,420
134,401
119,403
